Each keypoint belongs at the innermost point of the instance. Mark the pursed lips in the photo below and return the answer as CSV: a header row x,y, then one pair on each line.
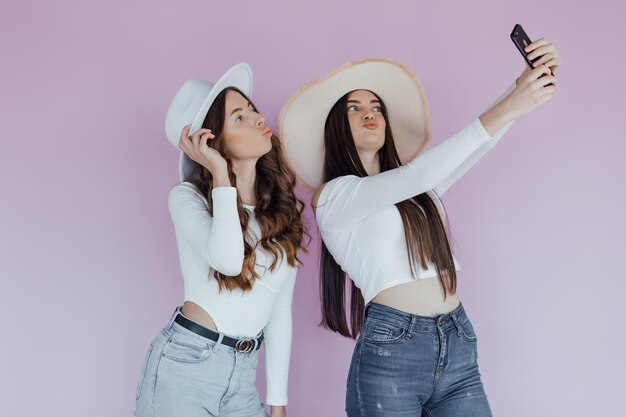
x,y
370,125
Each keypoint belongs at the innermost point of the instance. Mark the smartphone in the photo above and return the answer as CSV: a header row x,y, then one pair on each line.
x,y
521,40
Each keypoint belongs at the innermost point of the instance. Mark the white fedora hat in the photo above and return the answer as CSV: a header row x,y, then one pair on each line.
x,y
192,103
302,118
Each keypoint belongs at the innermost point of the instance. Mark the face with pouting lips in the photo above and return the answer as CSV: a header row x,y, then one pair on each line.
x,y
366,119
246,135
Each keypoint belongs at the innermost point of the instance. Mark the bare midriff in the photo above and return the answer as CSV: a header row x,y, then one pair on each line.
x,y
198,314
421,297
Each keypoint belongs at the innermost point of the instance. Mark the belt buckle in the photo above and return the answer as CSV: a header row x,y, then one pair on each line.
x,y
244,345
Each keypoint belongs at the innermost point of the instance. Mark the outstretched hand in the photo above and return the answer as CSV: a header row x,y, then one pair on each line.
x,y
535,86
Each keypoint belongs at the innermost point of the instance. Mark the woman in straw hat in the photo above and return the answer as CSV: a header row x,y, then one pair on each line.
x,y
239,230
355,138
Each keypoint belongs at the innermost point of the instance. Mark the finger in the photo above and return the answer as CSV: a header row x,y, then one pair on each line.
x,y
195,142
185,131
185,145
538,72
546,80
543,59
553,63
197,138
536,44
553,67
200,132
541,51
206,137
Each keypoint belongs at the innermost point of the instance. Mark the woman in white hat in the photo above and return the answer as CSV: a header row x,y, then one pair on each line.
x,y
239,230
354,138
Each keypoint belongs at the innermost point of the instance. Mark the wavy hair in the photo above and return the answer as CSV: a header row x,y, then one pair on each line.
x,y
424,231
278,210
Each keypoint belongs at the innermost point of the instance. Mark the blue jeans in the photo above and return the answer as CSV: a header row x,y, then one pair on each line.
x,y
185,374
407,365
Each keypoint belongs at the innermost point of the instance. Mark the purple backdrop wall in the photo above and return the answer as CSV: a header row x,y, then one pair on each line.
x,y
88,262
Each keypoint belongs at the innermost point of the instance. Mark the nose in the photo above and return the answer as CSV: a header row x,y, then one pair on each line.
x,y
260,121
368,116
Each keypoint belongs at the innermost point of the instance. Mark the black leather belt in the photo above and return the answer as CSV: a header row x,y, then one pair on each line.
x,y
243,345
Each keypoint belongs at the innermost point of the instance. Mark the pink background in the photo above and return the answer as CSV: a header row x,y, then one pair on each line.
x,y
88,263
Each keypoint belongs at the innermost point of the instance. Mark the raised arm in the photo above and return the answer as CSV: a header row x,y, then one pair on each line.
x,y
345,201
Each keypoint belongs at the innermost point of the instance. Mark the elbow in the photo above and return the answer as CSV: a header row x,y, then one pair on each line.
x,y
229,264
232,266
230,270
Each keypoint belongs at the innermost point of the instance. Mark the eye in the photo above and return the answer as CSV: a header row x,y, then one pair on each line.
x,y
239,118
353,108
378,109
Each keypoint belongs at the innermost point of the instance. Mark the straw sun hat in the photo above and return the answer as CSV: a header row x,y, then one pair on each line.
x,y
302,118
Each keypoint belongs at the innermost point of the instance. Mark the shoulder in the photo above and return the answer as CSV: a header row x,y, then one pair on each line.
x,y
316,196
184,188
331,188
183,194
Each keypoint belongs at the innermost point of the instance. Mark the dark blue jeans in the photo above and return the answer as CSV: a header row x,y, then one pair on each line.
x,y
407,365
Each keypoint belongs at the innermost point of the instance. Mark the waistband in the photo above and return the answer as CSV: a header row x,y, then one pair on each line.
x,y
241,345
416,322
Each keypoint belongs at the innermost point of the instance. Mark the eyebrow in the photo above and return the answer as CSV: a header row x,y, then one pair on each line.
x,y
357,101
239,109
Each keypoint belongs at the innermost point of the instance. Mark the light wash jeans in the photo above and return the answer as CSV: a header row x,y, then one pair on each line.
x,y
188,375
406,365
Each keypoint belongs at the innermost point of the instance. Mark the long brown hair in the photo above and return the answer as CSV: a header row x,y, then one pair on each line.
x,y
278,210
424,231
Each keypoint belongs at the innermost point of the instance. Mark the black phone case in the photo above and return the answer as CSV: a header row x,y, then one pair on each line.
x,y
521,40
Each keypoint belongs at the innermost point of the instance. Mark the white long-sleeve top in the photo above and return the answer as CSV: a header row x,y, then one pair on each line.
x,y
207,243
361,226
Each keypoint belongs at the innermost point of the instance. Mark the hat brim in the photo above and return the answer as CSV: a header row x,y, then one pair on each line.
x,y
238,76
303,116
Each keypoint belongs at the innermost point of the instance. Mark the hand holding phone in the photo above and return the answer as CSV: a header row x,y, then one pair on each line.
x,y
549,57
521,41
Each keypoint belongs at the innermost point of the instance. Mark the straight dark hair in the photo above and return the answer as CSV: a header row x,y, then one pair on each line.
x,y
425,233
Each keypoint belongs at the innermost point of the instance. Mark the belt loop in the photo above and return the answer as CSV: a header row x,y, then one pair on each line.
x,y
456,324
365,309
177,311
218,343
257,342
412,325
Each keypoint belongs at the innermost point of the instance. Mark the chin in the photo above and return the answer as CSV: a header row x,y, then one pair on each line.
x,y
268,146
372,141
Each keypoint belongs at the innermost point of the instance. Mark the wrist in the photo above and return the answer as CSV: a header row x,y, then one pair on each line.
x,y
221,178
496,117
278,411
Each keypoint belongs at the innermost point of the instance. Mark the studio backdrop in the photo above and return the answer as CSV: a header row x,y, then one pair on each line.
x,y
88,261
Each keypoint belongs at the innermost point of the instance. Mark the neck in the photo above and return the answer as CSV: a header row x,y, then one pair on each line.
x,y
370,162
245,171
